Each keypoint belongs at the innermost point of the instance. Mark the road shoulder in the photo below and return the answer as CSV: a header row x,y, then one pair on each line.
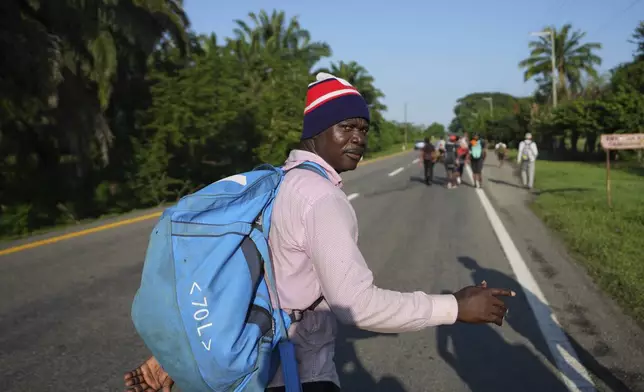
x,y
56,234
62,233
608,343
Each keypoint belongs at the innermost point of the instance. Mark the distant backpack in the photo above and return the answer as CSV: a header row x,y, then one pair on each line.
x,y
477,150
204,307
429,152
461,151
450,153
526,152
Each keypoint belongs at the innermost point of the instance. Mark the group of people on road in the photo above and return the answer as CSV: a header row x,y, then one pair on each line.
x,y
315,255
455,153
459,151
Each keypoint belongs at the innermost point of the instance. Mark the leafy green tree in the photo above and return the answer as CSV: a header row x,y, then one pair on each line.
x,y
111,105
573,59
638,39
435,130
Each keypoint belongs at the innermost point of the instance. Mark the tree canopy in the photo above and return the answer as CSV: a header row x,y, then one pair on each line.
x,y
591,103
108,106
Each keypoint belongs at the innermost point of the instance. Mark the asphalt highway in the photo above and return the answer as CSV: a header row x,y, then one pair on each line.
x,y
65,307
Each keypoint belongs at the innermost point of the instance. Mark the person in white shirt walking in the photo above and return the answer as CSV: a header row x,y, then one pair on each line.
x,y
527,156
501,150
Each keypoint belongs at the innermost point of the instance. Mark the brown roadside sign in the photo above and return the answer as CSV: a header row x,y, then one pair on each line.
x,y
624,141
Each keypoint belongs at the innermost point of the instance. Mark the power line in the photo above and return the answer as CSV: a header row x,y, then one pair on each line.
x,y
631,5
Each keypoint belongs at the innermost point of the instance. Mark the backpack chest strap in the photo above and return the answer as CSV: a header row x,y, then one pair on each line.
x,y
296,315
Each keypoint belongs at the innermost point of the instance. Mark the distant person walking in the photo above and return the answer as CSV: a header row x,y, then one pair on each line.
x,y
477,156
428,156
462,153
450,161
527,156
501,150
440,144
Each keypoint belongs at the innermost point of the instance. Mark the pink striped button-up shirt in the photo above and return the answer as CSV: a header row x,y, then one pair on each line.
x,y
313,240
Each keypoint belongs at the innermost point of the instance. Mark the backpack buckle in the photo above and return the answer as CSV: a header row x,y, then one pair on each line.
x,y
296,316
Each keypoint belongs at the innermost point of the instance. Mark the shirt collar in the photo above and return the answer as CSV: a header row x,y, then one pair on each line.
x,y
297,157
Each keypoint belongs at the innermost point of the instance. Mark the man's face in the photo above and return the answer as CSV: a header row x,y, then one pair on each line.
x,y
342,145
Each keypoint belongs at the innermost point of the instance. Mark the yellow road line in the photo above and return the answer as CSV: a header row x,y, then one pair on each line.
x,y
124,222
79,233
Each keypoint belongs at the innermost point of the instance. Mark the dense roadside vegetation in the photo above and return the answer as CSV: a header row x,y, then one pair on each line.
x,y
570,174
589,104
109,106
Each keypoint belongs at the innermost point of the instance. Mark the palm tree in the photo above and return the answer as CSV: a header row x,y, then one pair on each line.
x,y
572,59
272,35
87,41
360,78
638,39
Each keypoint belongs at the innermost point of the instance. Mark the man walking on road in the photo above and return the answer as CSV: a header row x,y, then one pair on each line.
x,y
526,157
450,160
462,154
501,150
314,248
428,157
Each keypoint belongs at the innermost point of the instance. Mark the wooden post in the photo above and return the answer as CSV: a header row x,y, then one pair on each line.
x,y
608,195
622,141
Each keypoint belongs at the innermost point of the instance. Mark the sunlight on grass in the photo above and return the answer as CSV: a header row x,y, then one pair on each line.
x,y
572,201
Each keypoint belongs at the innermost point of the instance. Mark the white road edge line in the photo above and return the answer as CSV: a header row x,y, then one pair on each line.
x,y
571,370
416,160
393,173
353,196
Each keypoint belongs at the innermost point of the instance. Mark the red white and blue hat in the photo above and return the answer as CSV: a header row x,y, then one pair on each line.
x,y
330,100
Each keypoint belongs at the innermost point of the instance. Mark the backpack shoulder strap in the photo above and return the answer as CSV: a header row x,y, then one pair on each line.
x,y
311,166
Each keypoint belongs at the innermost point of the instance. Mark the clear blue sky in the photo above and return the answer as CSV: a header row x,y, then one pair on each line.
x,y
430,53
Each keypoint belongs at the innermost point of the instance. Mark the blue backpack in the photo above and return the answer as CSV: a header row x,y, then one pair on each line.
x,y
477,150
203,308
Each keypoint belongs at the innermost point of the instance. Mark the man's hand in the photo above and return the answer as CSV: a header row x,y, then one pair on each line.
x,y
149,377
479,304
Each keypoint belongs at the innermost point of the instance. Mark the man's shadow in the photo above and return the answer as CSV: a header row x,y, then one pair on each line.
x,y
353,375
521,318
351,372
486,362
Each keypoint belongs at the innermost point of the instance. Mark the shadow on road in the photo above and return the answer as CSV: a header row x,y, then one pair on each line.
x,y
413,181
437,180
353,375
486,362
501,182
540,192
483,346
561,190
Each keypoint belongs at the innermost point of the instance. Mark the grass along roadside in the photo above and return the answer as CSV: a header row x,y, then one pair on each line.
x,y
572,201
393,150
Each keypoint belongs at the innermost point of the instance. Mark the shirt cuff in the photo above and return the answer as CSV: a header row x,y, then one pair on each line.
x,y
444,309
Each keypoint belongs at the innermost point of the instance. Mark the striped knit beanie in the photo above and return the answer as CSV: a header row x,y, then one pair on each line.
x,y
330,100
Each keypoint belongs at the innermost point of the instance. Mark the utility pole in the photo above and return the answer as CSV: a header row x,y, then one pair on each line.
x,y
405,145
554,68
